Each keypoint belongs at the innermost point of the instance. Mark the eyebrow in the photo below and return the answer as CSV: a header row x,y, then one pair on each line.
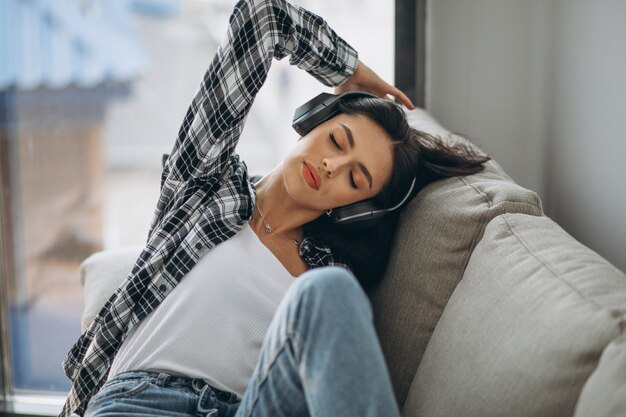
x,y
351,143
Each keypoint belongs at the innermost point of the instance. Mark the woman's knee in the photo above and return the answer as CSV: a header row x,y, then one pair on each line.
x,y
329,286
328,278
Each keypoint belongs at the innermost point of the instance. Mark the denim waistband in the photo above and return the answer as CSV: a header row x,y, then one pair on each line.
x,y
163,379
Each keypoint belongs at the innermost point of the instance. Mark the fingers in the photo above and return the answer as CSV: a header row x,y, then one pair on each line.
x,y
402,97
365,79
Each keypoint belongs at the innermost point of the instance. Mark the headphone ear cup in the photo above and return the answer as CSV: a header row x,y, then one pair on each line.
x,y
366,213
362,213
319,109
314,112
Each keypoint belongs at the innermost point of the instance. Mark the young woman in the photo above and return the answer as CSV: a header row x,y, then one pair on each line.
x,y
268,320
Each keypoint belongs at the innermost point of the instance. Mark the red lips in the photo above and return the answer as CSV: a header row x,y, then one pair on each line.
x,y
311,176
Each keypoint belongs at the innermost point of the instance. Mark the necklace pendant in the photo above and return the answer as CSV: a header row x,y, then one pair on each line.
x,y
268,229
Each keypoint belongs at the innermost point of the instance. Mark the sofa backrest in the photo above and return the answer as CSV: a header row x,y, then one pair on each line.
x,y
437,234
525,328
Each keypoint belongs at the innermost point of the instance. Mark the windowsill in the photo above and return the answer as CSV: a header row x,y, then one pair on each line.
x,y
32,405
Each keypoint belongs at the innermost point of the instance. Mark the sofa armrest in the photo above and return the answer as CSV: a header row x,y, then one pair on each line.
x,y
101,274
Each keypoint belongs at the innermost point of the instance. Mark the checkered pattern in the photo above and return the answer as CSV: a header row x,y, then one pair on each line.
x,y
206,193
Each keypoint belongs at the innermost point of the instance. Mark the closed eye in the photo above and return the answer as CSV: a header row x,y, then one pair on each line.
x,y
332,138
352,182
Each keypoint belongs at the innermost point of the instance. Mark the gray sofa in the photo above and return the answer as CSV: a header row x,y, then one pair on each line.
x,y
488,307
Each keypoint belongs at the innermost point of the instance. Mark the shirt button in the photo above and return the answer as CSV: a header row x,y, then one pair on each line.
x,y
162,287
198,245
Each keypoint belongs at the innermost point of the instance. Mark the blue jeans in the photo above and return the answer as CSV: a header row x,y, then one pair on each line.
x,y
320,357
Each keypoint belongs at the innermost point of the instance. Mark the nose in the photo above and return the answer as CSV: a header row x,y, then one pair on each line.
x,y
333,165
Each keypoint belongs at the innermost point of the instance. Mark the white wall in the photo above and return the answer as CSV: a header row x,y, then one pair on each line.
x,y
541,85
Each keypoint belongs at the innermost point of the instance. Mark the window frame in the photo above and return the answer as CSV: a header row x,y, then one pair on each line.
x,y
410,35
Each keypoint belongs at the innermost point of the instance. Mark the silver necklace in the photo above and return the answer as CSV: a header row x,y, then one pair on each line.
x,y
268,229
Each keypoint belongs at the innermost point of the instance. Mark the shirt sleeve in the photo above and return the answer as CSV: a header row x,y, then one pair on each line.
x,y
259,30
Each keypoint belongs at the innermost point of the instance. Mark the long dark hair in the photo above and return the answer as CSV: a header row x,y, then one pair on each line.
x,y
416,154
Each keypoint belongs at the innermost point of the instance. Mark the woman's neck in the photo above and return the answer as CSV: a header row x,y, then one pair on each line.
x,y
279,210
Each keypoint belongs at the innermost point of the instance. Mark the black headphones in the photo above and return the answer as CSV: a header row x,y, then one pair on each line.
x,y
316,111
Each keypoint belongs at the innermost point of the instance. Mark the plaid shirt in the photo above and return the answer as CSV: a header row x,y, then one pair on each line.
x,y
206,193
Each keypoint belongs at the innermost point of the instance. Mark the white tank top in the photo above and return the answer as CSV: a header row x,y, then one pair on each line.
x,y
213,323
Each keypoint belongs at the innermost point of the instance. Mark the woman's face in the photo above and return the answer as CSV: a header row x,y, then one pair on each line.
x,y
344,160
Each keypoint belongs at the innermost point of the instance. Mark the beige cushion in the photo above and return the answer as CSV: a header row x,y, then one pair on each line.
x,y
101,274
436,236
525,327
604,393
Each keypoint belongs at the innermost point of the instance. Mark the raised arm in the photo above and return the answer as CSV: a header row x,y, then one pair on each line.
x,y
259,31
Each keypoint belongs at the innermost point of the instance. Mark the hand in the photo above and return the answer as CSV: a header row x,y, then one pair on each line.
x,y
364,79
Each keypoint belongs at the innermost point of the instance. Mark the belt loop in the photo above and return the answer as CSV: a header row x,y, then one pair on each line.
x,y
197,384
207,402
161,379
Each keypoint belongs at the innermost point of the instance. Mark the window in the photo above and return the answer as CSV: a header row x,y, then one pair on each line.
x,y
91,98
